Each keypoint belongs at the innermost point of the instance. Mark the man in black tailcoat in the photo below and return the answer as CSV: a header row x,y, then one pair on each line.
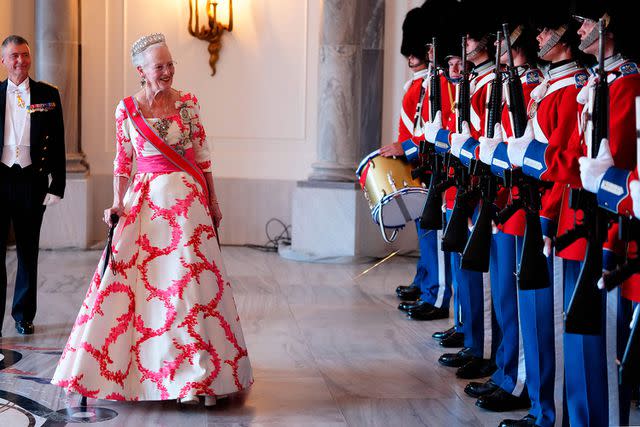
x,y
32,172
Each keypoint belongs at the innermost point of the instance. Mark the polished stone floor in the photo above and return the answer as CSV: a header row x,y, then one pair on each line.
x,y
327,348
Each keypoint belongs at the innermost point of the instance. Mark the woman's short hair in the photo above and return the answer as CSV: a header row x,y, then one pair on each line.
x,y
142,44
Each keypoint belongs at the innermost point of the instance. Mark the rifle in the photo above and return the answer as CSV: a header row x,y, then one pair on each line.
x,y
532,271
628,231
431,218
456,233
629,374
585,312
476,255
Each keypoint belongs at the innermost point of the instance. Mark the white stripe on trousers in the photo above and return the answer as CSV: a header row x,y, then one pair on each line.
x,y
522,371
558,314
488,327
611,331
442,276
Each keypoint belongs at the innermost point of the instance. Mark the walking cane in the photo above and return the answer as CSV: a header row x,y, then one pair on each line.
x,y
108,252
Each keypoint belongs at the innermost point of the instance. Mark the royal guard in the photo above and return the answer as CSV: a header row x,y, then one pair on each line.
x,y
475,360
430,291
510,393
610,173
549,151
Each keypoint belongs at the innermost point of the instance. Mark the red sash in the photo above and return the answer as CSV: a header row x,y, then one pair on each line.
x,y
169,153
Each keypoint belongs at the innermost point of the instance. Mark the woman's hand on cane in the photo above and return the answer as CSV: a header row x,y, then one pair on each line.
x,y
115,209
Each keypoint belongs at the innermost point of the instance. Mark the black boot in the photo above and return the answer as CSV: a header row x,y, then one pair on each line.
x,y
501,401
408,293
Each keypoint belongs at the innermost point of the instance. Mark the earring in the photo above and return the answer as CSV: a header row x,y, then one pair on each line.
x,y
143,81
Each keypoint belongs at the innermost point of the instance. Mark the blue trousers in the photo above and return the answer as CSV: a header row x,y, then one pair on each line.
x,y
470,290
510,372
538,340
433,274
585,366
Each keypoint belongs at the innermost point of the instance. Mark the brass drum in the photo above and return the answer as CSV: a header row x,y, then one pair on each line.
x,y
394,197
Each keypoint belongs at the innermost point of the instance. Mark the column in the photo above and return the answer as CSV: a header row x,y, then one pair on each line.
x,y
350,86
331,220
57,61
57,32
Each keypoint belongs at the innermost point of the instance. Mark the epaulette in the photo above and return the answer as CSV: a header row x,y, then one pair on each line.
x,y
533,77
629,68
581,79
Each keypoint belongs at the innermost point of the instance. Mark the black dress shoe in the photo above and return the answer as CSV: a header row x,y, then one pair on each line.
x,y
410,305
454,340
501,401
443,334
408,293
476,368
422,313
477,390
528,421
24,327
455,360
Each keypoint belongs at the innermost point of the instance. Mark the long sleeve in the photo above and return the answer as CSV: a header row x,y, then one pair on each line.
x,y
199,140
557,160
122,164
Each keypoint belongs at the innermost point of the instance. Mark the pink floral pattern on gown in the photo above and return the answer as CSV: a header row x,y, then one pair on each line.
x,y
162,322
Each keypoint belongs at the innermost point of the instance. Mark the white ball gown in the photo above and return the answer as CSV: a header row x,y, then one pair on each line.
x,y
162,322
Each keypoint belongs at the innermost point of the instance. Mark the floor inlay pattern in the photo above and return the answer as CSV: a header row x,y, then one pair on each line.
x,y
327,350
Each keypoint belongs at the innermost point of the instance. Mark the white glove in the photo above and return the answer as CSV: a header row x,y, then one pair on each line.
x,y
458,139
546,249
431,129
634,186
518,146
489,145
50,199
592,170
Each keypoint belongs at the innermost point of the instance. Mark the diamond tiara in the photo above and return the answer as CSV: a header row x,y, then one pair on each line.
x,y
145,41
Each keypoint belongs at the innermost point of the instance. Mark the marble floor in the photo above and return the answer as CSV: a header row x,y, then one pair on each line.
x,y
328,349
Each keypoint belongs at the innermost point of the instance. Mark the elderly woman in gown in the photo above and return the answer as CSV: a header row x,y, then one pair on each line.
x,y
161,323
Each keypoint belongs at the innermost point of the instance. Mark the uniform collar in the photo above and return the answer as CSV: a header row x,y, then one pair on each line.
x,y
613,62
481,69
421,74
562,69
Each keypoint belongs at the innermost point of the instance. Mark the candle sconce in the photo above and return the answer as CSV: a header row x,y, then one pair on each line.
x,y
217,11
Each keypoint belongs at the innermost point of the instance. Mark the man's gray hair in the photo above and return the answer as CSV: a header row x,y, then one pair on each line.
x,y
14,39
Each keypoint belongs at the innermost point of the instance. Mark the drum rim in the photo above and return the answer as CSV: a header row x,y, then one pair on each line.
x,y
366,160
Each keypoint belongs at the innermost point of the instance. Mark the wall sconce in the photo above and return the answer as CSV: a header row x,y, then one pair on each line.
x,y
220,17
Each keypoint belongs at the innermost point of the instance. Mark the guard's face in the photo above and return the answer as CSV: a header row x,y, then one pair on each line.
x,y
472,48
543,37
16,59
588,25
158,68
415,63
455,67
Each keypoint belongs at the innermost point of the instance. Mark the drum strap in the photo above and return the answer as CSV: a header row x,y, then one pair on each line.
x,y
165,149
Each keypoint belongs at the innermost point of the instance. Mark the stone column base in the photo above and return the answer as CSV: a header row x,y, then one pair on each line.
x,y
331,222
66,224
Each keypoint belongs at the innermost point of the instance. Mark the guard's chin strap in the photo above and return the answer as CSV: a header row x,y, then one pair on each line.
x,y
482,45
553,40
